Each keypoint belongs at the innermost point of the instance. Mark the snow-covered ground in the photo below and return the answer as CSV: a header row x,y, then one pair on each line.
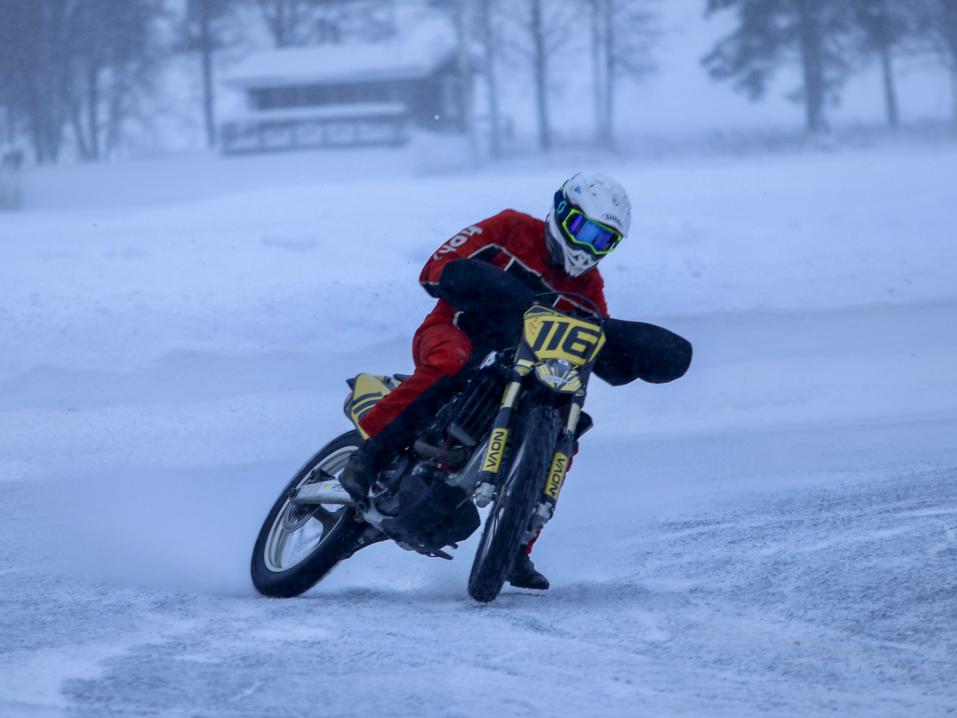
x,y
775,534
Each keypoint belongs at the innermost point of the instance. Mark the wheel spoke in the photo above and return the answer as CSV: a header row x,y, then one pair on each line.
x,y
279,548
292,540
327,518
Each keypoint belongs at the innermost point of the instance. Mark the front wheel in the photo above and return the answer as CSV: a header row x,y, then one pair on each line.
x,y
535,436
298,546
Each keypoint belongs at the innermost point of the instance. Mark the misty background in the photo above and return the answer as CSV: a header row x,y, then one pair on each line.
x,y
213,212
98,80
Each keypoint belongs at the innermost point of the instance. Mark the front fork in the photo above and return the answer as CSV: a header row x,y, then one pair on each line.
x,y
558,470
487,480
488,477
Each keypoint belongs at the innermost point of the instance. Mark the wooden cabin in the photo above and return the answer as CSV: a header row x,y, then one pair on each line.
x,y
345,95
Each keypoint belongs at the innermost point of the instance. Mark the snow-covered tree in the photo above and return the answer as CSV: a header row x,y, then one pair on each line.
x,y
771,33
622,37
77,65
112,56
488,36
205,30
289,22
937,22
35,72
546,29
881,26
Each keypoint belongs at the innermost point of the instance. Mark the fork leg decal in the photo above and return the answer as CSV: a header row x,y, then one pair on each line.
x,y
562,456
498,439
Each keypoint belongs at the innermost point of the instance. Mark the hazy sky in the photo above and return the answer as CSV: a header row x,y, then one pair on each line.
x,y
682,96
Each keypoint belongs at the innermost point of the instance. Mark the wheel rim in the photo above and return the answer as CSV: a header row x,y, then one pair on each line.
x,y
297,532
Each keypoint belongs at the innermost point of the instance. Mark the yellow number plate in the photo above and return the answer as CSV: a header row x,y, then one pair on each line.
x,y
553,335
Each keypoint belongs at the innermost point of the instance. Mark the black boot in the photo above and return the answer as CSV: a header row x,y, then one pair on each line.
x,y
358,474
524,575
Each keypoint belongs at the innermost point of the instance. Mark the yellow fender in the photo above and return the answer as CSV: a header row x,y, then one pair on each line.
x,y
367,391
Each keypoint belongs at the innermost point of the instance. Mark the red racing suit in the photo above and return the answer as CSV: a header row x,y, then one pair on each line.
x,y
515,243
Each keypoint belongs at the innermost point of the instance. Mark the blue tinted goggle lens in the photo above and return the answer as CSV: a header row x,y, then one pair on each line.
x,y
582,231
587,232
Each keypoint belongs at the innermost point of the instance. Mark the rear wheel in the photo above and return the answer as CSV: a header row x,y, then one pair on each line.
x,y
298,546
536,431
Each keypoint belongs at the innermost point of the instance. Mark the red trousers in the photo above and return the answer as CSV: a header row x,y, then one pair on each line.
x,y
438,350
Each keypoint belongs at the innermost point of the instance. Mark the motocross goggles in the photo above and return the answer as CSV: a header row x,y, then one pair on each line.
x,y
580,230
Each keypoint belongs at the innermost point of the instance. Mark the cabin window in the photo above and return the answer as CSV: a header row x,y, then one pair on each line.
x,y
275,98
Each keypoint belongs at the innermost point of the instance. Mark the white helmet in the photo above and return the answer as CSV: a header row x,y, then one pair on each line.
x,y
589,217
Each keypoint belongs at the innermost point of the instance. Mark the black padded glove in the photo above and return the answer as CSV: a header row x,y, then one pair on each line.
x,y
493,302
476,286
636,350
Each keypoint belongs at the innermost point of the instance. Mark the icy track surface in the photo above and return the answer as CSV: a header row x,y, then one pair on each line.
x,y
774,535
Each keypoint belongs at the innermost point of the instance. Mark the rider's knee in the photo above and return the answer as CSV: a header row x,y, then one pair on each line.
x,y
449,361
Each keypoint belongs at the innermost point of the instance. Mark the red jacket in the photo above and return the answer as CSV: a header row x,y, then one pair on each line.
x,y
514,242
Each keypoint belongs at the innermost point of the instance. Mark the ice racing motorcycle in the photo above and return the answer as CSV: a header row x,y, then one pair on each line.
x,y
503,441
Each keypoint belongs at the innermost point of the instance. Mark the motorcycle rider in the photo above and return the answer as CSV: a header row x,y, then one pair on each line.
x,y
484,278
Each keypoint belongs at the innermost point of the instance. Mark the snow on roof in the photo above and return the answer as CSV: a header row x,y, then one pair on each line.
x,y
413,55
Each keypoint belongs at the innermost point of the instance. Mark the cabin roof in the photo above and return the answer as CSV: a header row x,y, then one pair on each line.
x,y
414,55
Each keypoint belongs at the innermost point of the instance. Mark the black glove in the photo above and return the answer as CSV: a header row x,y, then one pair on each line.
x,y
476,286
636,350
492,300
